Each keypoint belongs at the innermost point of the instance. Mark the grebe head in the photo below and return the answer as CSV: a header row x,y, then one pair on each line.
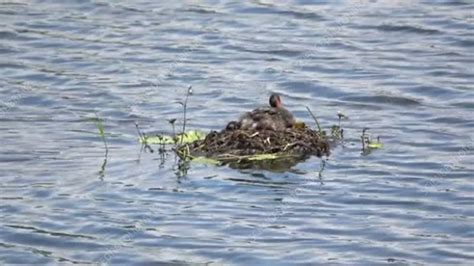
x,y
275,100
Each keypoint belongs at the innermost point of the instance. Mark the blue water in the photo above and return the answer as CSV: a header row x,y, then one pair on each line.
x,y
402,68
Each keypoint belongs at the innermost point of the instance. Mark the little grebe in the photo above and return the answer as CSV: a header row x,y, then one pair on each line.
x,y
275,117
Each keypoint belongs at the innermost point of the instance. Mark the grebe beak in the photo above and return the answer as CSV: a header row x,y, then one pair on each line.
x,y
278,103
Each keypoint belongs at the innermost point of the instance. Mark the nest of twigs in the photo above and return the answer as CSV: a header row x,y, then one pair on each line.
x,y
238,144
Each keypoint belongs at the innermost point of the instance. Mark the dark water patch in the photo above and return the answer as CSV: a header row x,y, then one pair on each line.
x,y
184,32
10,157
355,105
32,239
405,29
314,89
447,3
449,54
8,50
11,35
29,255
277,52
301,15
255,182
450,120
430,91
463,105
11,65
8,35
12,3
52,233
272,10
467,43
342,45
323,69
383,100
129,9
256,10
446,73
201,10
93,43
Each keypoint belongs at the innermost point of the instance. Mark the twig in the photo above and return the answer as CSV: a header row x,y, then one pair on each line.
x,y
142,136
289,145
315,119
139,132
185,105
172,121
175,137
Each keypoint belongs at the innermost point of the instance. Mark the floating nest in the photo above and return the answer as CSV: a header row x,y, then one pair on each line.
x,y
246,145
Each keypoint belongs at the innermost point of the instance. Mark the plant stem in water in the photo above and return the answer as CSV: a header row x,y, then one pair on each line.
x,y
315,119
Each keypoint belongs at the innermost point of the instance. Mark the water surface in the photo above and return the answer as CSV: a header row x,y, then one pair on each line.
x,y
402,68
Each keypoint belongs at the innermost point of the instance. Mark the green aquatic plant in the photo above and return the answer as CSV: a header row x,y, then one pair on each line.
x,y
184,154
321,170
100,127
189,92
235,147
176,139
340,116
205,160
367,143
99,123
143,139
337,132
375,145
182,138
181,168
172,121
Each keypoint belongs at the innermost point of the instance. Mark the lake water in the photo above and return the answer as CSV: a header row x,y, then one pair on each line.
x,y
405,69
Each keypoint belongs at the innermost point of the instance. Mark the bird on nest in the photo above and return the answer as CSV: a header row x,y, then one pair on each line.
x,y
275,117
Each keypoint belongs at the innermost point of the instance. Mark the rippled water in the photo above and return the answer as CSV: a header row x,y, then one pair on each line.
x,y
402,68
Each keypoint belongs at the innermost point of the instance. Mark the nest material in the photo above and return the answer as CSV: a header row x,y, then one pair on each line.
x,y
238,143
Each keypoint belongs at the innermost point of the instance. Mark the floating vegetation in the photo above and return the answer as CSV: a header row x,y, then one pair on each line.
x,y
189,92
268,149
375,145
99,123
182,138
251,147
368,144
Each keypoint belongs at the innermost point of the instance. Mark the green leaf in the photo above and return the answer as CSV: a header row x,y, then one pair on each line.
x,y
375,145
100,126
190,136
205,160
